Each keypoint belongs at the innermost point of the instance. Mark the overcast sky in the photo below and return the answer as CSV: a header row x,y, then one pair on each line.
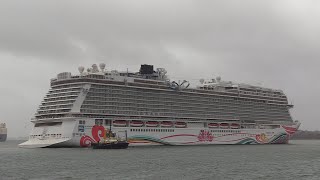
x,y
275,43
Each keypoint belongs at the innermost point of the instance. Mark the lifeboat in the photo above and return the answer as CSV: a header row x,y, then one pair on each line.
x,y
136,123
213,125
119,123
152,123
224,125
180,124
166,124
235,126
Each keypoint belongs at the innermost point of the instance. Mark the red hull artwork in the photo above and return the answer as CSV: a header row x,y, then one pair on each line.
x,y
205,136
97,134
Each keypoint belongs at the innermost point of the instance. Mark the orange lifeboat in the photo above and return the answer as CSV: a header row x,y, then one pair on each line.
x,y
224,126
152,123
166,124
213,125
119,123
136,123
180,124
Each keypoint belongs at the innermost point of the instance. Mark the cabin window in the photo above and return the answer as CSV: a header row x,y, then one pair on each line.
x,y
99,122
48,124
107,122
83,122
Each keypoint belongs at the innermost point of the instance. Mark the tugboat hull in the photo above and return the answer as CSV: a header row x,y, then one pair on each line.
x,y
116,145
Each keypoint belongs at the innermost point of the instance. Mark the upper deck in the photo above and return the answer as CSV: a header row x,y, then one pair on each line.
x,y
151,94
147,78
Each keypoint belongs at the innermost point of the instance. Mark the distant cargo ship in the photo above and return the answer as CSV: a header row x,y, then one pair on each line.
x,y
153,110
3,132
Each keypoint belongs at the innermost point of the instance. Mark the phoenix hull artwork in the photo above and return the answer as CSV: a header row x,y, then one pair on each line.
x,y
152,110
3,132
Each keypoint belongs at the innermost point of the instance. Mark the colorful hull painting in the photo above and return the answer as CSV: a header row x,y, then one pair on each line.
x,y
84,135
203,137
281,138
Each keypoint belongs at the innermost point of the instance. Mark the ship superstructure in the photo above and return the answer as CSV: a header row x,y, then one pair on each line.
x,y
153,110
3,132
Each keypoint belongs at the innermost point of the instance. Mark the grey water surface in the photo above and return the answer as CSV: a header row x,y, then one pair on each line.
x,y
297,160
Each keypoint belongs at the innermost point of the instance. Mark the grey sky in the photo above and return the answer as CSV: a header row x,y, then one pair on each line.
x,y
275,43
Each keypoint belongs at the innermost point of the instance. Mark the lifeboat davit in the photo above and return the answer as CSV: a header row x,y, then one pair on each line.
x,y
136,123
152,123
235,126
213,125
166,124
180,124
119,123
224,125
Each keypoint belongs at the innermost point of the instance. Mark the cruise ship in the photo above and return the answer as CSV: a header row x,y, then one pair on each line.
x,y
147,108
3,132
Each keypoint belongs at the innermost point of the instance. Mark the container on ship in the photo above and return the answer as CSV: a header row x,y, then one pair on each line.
x,y
152,110
3,132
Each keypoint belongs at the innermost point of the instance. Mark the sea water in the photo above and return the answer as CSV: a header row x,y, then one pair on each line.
x,y
297,160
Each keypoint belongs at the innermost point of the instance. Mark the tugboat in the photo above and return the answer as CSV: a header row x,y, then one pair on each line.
x,y
110,141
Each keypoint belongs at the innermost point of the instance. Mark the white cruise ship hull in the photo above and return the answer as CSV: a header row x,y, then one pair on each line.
x,y
69,133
